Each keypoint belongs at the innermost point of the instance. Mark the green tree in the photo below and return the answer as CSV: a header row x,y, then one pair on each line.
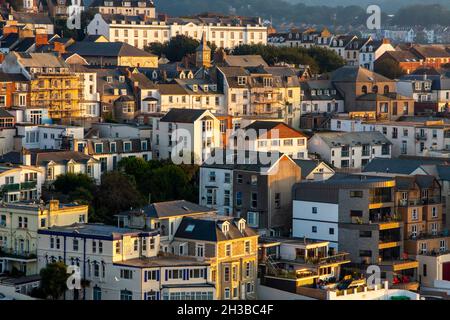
x,y
389,68
70,182
53,280
116,193
319,59
176,49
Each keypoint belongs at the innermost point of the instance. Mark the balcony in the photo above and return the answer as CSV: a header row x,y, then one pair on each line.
x,y
11,187
28,185
380,198
19,186
421,137
419,202
428,235
17,255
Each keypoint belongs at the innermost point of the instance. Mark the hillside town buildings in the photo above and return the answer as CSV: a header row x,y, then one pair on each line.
x,y
288,180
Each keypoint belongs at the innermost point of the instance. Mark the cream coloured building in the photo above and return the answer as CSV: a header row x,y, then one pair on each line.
x,y
19,225
124,264
227,245
138,31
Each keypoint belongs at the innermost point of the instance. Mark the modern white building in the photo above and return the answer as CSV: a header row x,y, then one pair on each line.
x,y
349,149
32,136
413,137
138,31
315,220
186,133
119,130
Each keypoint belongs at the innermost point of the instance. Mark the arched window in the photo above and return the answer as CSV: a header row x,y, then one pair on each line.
x,y
375,89
386,89
364,89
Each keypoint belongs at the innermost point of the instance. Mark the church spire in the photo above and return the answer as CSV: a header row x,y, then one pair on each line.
x,y
203,53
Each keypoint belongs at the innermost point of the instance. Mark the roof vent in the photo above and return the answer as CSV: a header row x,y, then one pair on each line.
x,y
185,208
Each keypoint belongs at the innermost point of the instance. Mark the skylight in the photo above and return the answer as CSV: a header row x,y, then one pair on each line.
x,y
190,228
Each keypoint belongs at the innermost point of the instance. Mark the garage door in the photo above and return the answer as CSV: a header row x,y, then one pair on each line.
x,y
446,271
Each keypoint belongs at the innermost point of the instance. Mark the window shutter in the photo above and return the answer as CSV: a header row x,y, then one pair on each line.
x,y
145,276
167,274
145,294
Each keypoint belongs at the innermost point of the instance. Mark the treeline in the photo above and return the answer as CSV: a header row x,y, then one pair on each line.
x,y
320,60
284,11
135,184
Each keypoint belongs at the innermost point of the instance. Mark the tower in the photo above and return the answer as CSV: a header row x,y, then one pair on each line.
x,y
203,54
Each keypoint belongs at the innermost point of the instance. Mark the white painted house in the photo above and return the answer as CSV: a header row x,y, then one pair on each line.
x,y
186,133
349,149
415,137
271,136
317,220
224,32
123,264
32,136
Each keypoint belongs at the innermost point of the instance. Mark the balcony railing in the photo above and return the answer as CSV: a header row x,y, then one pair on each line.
x,y
28,185
380,198
419,202
16,254
421,136
19,186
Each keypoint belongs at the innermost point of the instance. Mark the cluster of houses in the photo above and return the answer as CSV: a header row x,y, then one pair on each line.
x,y
305,181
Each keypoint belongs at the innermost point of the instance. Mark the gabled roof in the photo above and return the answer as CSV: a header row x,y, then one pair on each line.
x,y
357,74
396,165
264,130
429,51
336,139
169,209
307,166
244,61
208,228
401,56
183,115
107,49
41,60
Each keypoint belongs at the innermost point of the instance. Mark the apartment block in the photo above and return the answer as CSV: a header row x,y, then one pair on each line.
x,y
350,150
358,214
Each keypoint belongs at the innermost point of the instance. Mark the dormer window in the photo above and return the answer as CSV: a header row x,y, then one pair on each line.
x,y
241,225
195,88
267,82
242,81
109,79
121,79
225,227
205,88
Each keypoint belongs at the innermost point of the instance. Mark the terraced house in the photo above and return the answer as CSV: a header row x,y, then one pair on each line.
x,y
110,151
19,225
